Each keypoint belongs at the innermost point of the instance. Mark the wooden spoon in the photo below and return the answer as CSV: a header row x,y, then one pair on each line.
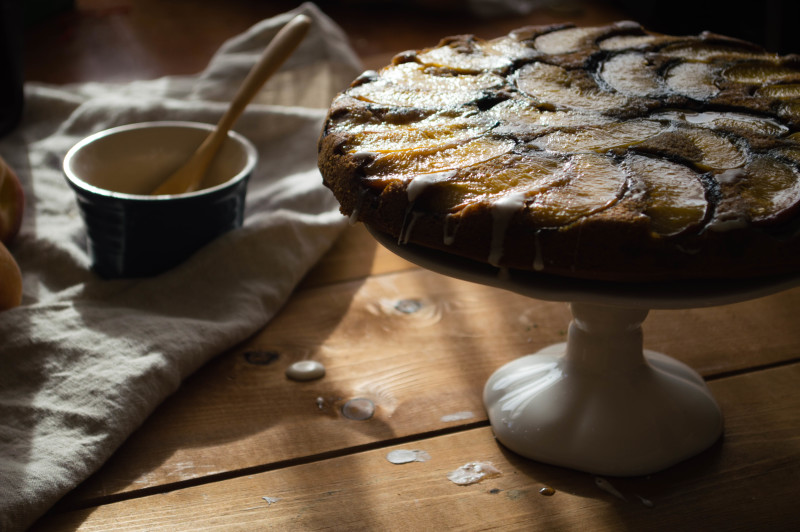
x,y
189,176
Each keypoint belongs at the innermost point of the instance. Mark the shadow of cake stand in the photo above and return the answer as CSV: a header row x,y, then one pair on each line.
x,y
599,402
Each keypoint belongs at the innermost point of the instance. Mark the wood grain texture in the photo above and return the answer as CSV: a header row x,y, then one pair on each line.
x,y
419,345
354,255
748,481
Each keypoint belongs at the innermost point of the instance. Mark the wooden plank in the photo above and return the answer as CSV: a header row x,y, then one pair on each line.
x,y
419,345
729,338
748,481
417,366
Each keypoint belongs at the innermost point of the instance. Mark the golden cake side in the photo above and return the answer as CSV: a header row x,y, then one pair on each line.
x,y
608,152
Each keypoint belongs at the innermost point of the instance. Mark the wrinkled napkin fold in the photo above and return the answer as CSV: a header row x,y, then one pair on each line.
x,y
84,361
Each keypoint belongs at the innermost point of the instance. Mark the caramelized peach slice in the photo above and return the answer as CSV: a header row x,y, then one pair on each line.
x,y
437,158
693,80
385,93
628,42
531,173
509,47
567,40
587,184
739,123
417,76
675,199
477,58
744,126
718,152
710,51
600,139
769,189
433,131
760,72
555,85
410,85
522,117
631,73
783,91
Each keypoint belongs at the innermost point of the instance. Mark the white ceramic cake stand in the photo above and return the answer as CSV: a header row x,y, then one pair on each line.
x,y
600,402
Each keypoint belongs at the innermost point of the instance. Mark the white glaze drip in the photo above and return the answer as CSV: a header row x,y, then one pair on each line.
x,y
408,226
538,261
502,211
353,218
422,181
727,224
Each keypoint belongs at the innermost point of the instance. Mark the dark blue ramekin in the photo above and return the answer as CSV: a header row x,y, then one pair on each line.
x,y
133,234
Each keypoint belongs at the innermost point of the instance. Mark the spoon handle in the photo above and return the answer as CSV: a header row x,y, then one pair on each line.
x,y
277,51
190,175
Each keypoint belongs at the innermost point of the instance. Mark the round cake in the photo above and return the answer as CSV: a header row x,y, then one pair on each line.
x,y
611,153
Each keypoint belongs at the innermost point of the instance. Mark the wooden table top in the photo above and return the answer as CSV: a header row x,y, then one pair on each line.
x,y
241,447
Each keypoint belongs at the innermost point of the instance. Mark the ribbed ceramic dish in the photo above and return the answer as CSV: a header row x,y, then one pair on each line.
x,y
133,234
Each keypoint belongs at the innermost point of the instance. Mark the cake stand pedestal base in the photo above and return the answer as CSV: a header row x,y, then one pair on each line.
x,y
600,403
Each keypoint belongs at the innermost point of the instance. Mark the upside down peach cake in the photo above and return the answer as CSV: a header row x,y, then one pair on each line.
x,y
601,152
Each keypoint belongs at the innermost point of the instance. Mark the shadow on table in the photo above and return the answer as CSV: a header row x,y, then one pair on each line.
x,y
242,396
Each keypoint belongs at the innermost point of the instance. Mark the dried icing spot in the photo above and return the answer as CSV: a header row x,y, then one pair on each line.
x,y
305,370
359,409
270,500
408,306
404,456
606,486
473,472
420,312
646,502
458,416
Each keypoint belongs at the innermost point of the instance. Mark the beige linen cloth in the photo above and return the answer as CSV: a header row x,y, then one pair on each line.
x,y
84,361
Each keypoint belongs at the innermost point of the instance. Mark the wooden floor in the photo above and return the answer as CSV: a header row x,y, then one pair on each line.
x,y
241,447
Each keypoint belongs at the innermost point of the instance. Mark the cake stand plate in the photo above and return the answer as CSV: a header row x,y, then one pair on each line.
x,y
599,402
